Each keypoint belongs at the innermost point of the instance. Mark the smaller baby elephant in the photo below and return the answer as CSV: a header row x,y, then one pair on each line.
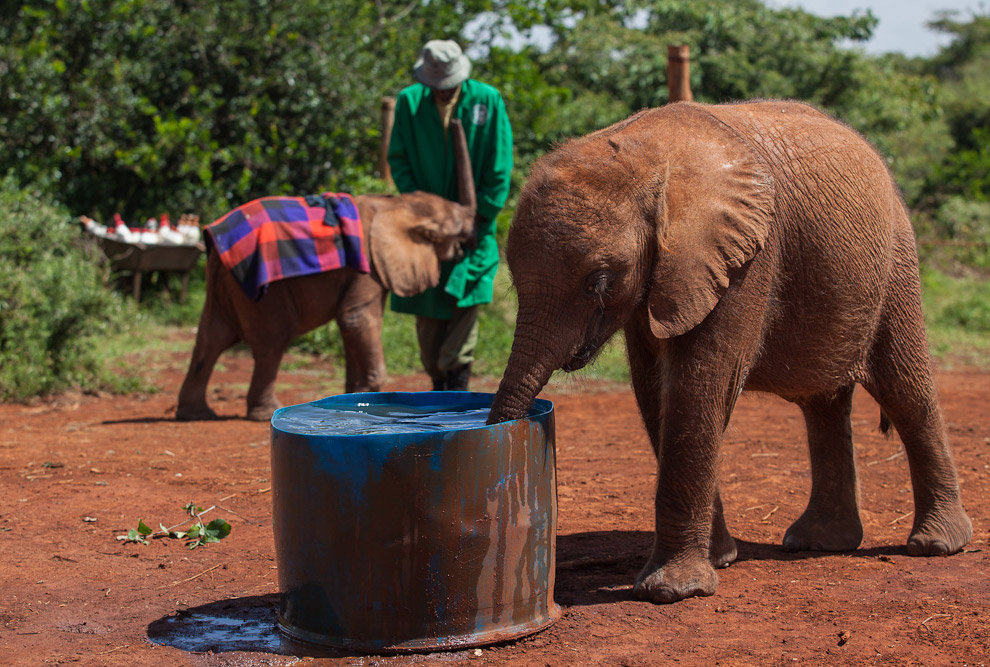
x,y
407,237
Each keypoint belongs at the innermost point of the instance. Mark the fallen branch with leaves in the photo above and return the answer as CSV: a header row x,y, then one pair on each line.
x,y
197,535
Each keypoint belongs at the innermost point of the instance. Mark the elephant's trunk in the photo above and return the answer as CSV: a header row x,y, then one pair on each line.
x,y
518,389
465,178
529,368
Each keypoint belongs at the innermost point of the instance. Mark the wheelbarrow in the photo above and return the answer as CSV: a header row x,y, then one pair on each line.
x,y
140,257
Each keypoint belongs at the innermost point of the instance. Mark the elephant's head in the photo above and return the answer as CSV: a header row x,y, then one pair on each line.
x,y
410,234
649,216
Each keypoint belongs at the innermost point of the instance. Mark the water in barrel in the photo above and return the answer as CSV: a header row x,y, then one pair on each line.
x,y
363,418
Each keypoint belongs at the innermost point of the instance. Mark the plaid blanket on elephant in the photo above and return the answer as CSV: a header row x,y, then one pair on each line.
x,y
273,238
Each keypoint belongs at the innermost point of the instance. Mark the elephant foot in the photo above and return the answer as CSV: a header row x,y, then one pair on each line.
x,y
940,532
262,413
722,551
675,580
193,413
815,531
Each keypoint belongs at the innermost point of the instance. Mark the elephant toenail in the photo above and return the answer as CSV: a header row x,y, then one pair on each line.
x,y
938,548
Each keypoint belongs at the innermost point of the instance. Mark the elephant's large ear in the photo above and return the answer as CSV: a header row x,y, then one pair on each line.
x,y
402,255
713,217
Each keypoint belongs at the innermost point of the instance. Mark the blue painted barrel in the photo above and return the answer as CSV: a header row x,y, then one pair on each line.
x,y
404,523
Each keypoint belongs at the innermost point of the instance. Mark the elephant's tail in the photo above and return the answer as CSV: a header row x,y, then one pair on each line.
x,y
884,424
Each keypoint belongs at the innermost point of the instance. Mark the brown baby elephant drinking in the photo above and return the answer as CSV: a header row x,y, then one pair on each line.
x,y
760,246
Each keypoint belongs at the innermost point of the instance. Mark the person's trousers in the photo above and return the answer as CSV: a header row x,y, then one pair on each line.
x,y
446,347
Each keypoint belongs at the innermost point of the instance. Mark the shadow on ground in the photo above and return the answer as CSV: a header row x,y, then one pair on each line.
x,y
592,568
167,420
600,567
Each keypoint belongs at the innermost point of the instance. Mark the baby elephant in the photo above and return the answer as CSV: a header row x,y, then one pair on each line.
x,y
408,236
758,246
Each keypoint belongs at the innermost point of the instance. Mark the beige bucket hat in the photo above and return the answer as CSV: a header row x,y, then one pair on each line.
x,y
442,65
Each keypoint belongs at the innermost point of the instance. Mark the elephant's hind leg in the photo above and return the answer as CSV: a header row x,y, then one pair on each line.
x,y
261,399
831,521
902,383
941,526
213,337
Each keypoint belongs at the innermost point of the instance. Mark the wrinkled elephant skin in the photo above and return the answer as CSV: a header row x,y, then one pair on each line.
x,y
759,246
408,236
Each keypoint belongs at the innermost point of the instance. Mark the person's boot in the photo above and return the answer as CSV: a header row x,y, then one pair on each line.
x,y
458,378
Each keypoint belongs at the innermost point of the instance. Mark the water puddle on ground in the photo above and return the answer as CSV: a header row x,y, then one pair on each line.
x,y
247,624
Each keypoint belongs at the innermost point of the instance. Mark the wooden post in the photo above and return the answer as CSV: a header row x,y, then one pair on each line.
x,y
185,286
388,115
679,73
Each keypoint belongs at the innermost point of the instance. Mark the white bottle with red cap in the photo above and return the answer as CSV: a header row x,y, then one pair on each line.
x,y
149,233
166,234
92,226
121,231
189,228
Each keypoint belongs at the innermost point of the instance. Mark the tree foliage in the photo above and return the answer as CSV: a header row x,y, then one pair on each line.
x,y
53,304
143,106
963,67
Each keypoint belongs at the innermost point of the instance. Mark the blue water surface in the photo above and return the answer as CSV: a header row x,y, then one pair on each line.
x,y
364,418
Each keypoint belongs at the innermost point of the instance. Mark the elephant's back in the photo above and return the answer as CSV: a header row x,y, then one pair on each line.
x,y
806,147
822,169
834,197
837,219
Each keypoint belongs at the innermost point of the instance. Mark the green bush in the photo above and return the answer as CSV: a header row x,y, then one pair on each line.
x,y
964,219
955,236
54,305
957,315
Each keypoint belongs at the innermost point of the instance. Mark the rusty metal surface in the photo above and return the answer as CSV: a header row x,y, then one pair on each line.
x,y
416,541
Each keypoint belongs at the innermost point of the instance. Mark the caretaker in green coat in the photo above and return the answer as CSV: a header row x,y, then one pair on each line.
x,y
421,156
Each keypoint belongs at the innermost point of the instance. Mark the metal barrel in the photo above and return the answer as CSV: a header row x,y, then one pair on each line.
x,y
421,541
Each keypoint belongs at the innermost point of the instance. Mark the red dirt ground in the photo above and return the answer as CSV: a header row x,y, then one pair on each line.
x,y
72,593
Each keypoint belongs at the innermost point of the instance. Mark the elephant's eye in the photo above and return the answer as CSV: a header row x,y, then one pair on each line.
x,y
598,284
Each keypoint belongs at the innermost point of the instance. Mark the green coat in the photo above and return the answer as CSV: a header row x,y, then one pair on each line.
x,y
422,158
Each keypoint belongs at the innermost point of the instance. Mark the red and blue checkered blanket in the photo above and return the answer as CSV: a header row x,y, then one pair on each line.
x,y
273,238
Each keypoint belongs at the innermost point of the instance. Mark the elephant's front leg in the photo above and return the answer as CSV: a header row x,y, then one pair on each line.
x,y
722,549
680,565
646,370
361,328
